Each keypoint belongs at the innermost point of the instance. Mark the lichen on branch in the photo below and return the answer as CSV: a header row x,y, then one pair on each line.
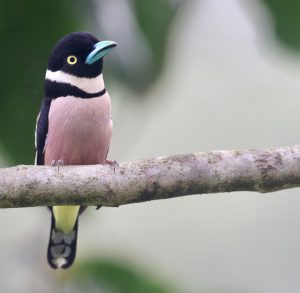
x,y
158,178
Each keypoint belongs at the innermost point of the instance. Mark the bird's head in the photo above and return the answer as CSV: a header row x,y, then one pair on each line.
x,y
79,54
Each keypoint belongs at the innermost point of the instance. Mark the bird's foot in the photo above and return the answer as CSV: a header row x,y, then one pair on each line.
x,y
98,207
57,163
113,163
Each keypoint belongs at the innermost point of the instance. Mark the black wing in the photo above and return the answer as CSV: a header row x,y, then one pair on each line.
x,y
41,131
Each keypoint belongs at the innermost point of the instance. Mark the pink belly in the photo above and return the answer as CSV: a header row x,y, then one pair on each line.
x,y
79,130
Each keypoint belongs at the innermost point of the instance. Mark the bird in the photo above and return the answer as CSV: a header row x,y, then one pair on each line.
x,y
74,126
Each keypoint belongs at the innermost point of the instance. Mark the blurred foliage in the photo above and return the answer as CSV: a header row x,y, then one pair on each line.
x,y
155,19
28,29
286,17
113,277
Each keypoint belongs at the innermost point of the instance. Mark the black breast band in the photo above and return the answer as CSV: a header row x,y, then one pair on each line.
x,y
55,89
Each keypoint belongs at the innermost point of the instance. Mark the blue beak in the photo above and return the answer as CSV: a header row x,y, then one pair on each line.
x,y
99,51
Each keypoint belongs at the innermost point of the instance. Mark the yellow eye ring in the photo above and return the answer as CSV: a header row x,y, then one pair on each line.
x,y
72,59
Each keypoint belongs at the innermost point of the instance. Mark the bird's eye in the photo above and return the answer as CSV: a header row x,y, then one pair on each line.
x,y
72,59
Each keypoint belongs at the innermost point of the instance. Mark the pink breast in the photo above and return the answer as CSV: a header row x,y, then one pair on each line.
x,y
79,130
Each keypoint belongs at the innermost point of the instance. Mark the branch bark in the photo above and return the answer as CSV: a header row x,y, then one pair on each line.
x,y
159,178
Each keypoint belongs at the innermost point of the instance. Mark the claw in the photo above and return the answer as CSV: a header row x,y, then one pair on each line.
x,y
113,163
57,163
98,207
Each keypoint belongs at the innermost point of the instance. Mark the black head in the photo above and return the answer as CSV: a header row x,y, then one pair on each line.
x,y
70,54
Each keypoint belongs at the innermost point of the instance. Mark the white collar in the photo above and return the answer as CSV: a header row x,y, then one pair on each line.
x,y
89,85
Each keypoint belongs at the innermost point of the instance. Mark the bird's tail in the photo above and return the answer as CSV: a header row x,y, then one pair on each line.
x,y
62,246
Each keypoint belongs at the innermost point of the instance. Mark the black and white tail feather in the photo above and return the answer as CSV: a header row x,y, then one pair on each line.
x,y
62,247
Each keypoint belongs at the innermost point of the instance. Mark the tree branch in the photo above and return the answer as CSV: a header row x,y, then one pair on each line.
x,y
159,178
